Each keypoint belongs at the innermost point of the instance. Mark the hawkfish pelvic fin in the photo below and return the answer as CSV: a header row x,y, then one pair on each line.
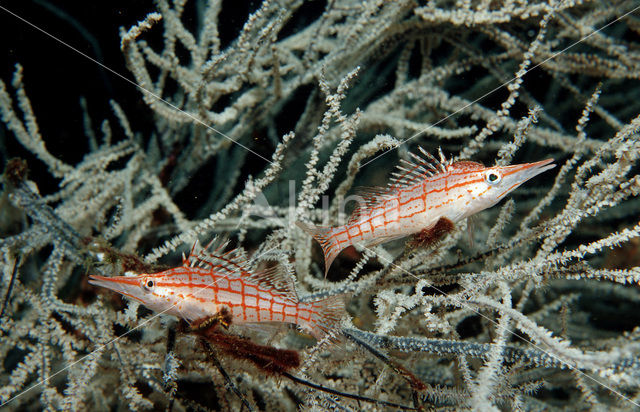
x,y
330,245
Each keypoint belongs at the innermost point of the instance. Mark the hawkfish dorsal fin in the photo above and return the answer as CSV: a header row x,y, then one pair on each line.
x,y
198,255
368,197
413,172
275,278
233,262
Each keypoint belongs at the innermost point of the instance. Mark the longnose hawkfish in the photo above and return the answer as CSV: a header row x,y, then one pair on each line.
x,y
210,283
425,195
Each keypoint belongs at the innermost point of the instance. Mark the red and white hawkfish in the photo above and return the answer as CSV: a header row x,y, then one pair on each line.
x,y
210,283
424,194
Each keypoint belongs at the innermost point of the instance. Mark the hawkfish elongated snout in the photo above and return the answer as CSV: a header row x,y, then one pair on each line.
x,y
513,176
144,289
129,286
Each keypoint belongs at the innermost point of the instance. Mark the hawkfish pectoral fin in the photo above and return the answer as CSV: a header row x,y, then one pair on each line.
x,y
432,235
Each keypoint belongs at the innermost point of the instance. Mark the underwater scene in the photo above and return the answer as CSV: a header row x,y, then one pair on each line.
x,y
349,205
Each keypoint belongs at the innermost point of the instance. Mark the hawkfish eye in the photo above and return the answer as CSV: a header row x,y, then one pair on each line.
x,y
148,284
492,178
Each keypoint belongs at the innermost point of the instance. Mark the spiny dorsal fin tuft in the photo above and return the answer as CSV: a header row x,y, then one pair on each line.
x,y
234,263
413,172
212,257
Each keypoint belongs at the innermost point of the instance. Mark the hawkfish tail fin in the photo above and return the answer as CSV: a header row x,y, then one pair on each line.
x,y
326,313
329,243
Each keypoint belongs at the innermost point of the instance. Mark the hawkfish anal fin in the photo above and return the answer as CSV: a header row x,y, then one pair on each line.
x,y
383,239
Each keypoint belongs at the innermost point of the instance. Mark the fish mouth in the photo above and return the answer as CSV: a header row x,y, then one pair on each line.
x,y
101,281
111,282
518,174
115,283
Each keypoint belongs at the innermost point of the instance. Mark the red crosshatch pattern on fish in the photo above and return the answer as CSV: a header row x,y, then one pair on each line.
x,y
207,282
421,193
